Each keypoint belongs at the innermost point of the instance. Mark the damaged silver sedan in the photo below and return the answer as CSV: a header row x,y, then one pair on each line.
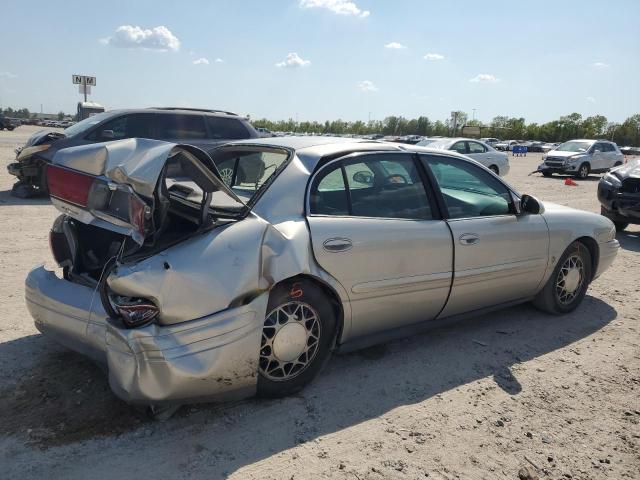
x,y
205,278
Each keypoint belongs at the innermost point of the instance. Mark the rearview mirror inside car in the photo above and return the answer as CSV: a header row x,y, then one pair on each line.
x,y
363,177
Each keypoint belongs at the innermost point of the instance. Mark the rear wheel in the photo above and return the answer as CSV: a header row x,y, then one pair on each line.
x,y
568,283
297,336
583,171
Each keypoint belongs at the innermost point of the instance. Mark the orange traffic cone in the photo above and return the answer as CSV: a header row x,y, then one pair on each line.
x,y
570,182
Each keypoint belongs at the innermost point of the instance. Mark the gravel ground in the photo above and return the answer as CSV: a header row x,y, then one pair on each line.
x,y
504,395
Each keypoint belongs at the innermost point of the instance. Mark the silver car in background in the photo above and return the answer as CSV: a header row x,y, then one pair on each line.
x,y
188,287
497,162
581,157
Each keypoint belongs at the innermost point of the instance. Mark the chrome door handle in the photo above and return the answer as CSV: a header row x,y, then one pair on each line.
x,y
469,239
334,245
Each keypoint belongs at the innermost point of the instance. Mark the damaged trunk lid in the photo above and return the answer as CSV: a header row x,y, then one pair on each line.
x,y
127,186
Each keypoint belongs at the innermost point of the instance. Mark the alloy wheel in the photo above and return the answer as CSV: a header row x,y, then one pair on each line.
x,y
290,341
570,279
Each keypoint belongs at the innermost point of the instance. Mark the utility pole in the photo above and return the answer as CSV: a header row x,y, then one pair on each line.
x,y
369,117
474,114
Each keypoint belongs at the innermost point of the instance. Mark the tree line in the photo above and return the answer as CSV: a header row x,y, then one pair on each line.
x,y
507,128
25,114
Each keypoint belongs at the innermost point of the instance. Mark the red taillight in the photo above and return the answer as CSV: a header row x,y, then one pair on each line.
x,y
70,186
137,314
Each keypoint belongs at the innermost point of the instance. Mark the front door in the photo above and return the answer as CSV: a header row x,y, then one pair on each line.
x,y
375,229
499,256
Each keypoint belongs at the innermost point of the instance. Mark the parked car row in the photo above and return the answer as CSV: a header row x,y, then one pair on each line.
x,y
9,123
497,162
204,272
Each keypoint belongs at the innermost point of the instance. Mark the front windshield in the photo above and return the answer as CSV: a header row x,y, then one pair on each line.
x,y
574,147
86,124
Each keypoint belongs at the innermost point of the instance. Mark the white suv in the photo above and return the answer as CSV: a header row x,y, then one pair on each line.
x,y
581,157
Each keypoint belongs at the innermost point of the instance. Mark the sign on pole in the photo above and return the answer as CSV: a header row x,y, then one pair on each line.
x,y
85,82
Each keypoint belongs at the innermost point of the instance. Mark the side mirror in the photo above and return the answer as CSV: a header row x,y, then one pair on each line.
x,y
107,134
529,204
597,150
363,177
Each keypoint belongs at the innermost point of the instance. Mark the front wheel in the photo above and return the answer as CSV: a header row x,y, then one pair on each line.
x,y
297,337
494,169
583,171
568,283
547,174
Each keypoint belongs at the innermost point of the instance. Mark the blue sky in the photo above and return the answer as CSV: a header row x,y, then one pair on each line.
x,y
537,59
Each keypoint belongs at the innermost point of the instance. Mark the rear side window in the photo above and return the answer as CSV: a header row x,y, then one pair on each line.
x,y
379,186
226,128
475,147
127,126
180,127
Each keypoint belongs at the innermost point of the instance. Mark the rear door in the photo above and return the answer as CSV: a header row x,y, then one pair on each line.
x,y
479,153
599,158
375,228
499,256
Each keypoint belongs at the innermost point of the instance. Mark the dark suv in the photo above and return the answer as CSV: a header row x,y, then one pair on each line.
x,y
205,129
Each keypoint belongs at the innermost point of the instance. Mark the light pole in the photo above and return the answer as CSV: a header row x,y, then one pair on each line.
x,y
474,114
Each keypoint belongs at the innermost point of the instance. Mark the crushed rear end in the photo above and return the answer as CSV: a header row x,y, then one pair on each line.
x,y
159,272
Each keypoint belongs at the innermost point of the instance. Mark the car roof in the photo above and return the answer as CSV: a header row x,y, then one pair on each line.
x,y
181,111
311,150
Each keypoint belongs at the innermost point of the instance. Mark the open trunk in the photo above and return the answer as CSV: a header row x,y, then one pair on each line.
x,y
126,200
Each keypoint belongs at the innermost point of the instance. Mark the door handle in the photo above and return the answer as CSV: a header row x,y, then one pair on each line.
x,y
335,245
469,238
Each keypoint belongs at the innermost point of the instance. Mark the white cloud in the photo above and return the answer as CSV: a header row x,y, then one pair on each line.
x,y
219,60
590,100
484,78
600,65
340,7
367,86
201,61
432,57
394,46
131,36
293,60
8,75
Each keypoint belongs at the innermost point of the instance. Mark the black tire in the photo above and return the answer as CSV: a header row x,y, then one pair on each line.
x,y
583,171
547,174
306,293
494,169
548,299
620,226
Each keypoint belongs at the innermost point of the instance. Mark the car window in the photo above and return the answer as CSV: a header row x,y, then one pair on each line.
x,y
180,127
329,194
246,171
475,147
226,128
126,126
608,147
459,147
380,186
468,190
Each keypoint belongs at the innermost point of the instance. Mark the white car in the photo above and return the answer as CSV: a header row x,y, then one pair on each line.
x,y
581,157
497,162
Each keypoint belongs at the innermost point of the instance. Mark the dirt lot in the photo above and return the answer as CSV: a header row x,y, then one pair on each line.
x,y
480,399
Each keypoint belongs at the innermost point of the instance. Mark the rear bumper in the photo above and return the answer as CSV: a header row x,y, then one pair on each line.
x,y
210,358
